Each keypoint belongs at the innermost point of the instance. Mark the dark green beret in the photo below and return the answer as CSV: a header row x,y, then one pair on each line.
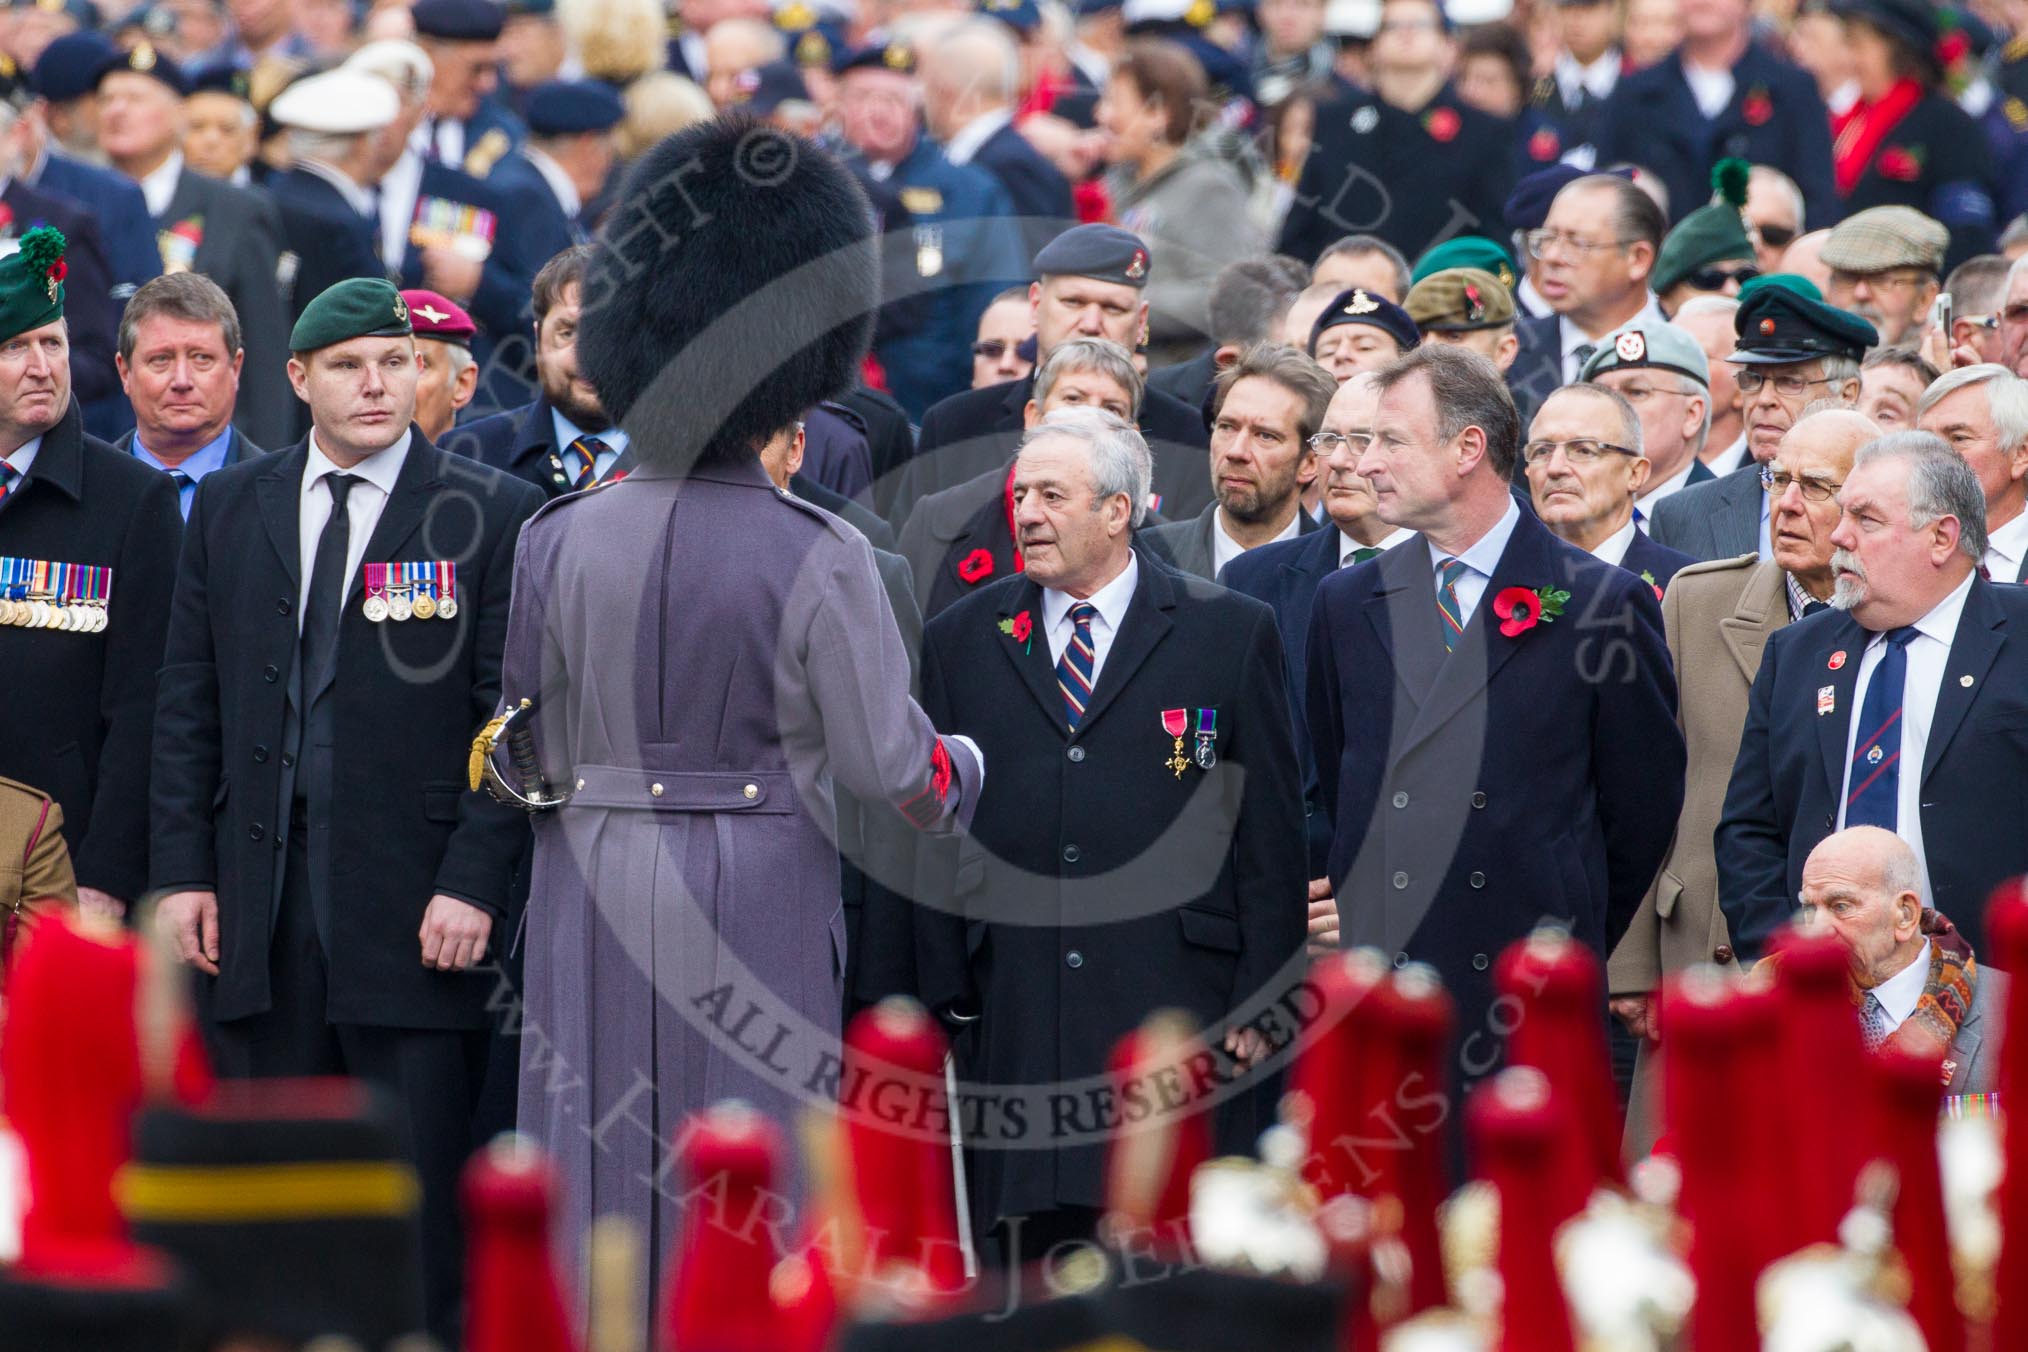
x,y
1707,235
360,307
31,282
1777,326
1468,251
1788,281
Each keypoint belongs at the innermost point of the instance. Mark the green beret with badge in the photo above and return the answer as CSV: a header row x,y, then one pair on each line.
x,y
1460,300
1777,326
31,282
1708,236
1787,281
1649,343
359,307
1468,251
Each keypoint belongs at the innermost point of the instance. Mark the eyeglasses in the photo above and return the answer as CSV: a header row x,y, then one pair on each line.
x,y
1539,241
993,349
1714,279
1905,280
1327,443
1581,452
1788,387
1777,483
1987,322
1776,236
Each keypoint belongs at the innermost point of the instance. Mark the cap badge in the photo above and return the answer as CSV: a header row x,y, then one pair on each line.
x,y
1767,326
1366,119
431,313
1361,303
898,57
6,65
1475,308
49,6
1200,14
142,58
796,15
1137,268
812,49
400,309
1631,346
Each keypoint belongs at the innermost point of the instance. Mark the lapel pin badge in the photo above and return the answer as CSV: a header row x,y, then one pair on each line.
x,y
1965,680
1837,659
1827,700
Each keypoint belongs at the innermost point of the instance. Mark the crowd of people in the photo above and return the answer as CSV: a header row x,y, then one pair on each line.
x,y
1051,514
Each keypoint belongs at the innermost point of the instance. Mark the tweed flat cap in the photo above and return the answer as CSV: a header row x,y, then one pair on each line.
x,y
1880,238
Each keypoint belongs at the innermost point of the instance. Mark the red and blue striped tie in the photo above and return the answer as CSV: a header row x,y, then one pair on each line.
x,y
1875,796
7,473
1073,669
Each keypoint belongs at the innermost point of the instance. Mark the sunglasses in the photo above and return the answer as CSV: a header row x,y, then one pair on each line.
x,y
1714,279
1776,236
993,349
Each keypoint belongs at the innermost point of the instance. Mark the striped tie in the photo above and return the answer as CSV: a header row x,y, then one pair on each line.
x,y
1448,573
587,450
7,473
1872,1022
1875,796
1073,669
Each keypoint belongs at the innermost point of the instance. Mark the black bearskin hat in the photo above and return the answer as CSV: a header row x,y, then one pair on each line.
x,y
732,287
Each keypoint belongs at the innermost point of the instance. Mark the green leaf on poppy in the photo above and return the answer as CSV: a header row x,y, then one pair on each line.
x,y
1552,600
1007,627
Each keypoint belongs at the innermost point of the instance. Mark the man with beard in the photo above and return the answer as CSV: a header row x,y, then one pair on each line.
x,y
1891,709
1886,266
564,440
1265,408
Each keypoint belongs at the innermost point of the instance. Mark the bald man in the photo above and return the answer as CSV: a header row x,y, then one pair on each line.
x,y
1717,617
968,97
1864,886
732,48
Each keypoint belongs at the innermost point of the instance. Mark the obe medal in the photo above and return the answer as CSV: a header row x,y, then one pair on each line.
x,y
1207,738
1176,722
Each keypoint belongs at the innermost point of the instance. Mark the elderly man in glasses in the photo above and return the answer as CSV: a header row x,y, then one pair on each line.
x,y
1793,352
1584,465
1886,264
1982,411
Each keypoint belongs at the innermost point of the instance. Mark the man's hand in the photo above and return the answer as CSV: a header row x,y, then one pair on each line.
x,y
454,934
1246,1045
1938,352
1635,1011
189,920
451,273
1323,918
101,905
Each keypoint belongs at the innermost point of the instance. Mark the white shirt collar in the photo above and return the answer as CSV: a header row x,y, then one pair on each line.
x,y
1530,300
1978,97
567,431
2008,543
558,181
966,140
1346,544
380,470
1573,337
1729,459
159,187
1110,600
1902,992
1224,549
22,457
1941,623
356,197
1596,79
1613,549
1654,493
1842,98
1484,555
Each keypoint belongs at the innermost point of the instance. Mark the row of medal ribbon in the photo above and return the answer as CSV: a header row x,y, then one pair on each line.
x,y
400,591
39,594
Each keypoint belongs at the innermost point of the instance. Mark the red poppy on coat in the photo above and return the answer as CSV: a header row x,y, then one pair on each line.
x,y
1900,164
1519,609
976,566
1758,108
1545,145
1023,627
1443,124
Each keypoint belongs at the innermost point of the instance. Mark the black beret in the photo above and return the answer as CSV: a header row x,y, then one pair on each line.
x,y
766,88
1776,325
459,20
1360,306
1528,205
898,57
734,285
69,67
222,77
1104,253
143,59
567,107
1912,23
359,307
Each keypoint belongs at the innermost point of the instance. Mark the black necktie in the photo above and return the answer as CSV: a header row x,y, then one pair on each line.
x,y
180,479
1583,353
327,581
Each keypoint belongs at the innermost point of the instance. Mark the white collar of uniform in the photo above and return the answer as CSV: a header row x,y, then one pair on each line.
x,y
1902,992
1941,623
380,469
1596,79
355,196
1842,98
158,186
558,181
1111,600
567,431
22,457
1656,492
1978,97
966,140
1613,549
1484,555
1346,544
2010,542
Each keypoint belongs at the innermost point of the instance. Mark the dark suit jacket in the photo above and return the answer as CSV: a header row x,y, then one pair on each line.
x,y
1776,117
1715,520
88,304
324,240
241,250
407,699
1098,885
544,226
877,532
1187,381
1790,772
1040,193
115,201
890,441
974,431
1654,563
83,705
1537,371
1188,544
1515,781
237,449
520,441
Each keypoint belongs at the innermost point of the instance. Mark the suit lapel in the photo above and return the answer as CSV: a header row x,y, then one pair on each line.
x,y
1845,643
1480,653
1743,512
183,202
1030,656
1146,624
1745,631
280,492
1402,611
406,506
1014,404
1982,630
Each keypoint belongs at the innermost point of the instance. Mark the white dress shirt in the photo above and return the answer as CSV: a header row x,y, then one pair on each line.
x,y
1347,545
1224,549
1480,561
363,505
1530,301
2005,548
1928,657
614,439
1654,493
1711,89
1729,459
1902,992
1111,600
1613,549
966,140
158,187
20,458
399,189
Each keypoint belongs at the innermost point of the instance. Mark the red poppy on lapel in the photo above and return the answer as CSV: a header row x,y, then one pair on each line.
x,y
1758,108
1019,628
1522,608
1545,145
1442,124
976,566
1900,163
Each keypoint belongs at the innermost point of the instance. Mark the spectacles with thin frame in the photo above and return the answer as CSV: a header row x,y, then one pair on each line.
x,y
1788,387
1327,443
1579,451
1540,240
1776,482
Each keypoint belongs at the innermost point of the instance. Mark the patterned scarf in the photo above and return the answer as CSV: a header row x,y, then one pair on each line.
x,y
1946,994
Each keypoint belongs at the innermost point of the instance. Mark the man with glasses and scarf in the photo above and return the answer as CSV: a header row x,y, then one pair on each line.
x,y
1793,352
